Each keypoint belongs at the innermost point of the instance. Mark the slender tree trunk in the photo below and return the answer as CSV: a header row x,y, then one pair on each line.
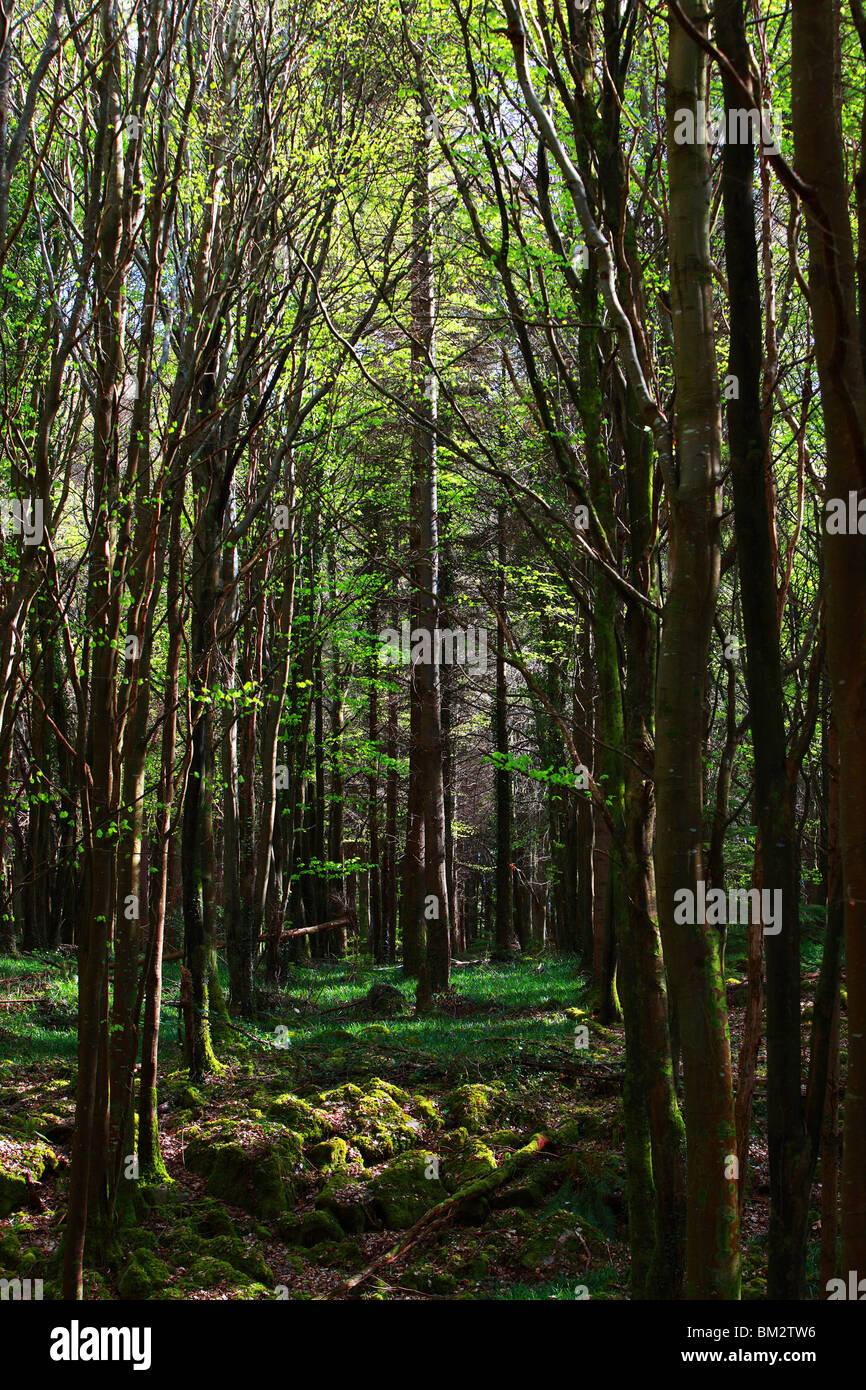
x,y
815,90
691,952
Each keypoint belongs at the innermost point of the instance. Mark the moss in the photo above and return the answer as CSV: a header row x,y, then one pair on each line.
x,y
313,1228
428,1279
142,1274
587,1122
330,1153
248,1261
34,1159
563,1240
428,1111
345,1199
258,1184
476,1267
256,1176
151,1167
350,1256
378,1120
341,1095
141,1239
159,1194
210,1273
300,1116
375,1032
186,1241
386,999
403,1191
13,1191
505,1138
470,1106
10,1250
190,1099
402,1097
471,1161
213,1220
524,1196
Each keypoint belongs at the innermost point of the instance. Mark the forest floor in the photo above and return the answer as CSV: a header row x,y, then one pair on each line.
x,y
482,1142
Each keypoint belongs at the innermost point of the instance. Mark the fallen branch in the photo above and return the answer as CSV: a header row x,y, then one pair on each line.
x,y
444,1212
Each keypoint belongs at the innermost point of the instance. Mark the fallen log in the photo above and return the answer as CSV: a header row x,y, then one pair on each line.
x,y
320,926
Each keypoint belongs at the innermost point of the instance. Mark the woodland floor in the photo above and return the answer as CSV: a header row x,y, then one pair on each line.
x,y
293,1169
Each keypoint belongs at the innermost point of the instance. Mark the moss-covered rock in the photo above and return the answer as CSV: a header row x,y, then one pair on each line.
x,y
144,1276
313,1228
346,1199
470,1106
376,1032
241,1257
427,1110
476,1267
10,1250
140,1239
13,1191
330,1153
190,1099
406,1188
426,1278
299,1115
212,1219
379,1119
471,1160
563,1240
387,1000
523,1196
248,1167
210,1273
586,1122
505,1139
33,1159
256,1178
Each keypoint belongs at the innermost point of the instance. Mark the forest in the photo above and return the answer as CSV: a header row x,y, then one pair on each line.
x,y
433,650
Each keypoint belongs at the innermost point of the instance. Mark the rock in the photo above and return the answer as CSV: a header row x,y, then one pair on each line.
x,y
385,999
209,1273
214,1220
142,1274
469,1106
427,1110
473,1160
19,1190
561,1241
242,1258
330,1153
257,1178
190,1099
346,1199
378,1120
299,1116
312,1229
10,1251
376,1032
406,1188
13,1192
